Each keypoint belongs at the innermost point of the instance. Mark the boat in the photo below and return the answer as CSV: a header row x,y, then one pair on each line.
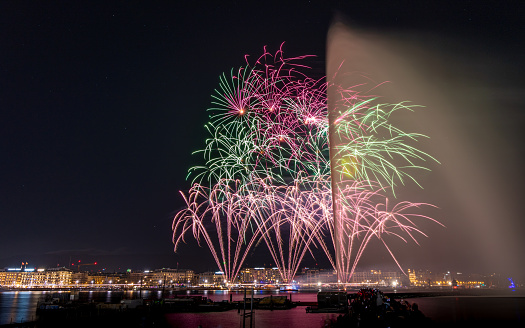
x,y
330,302
288,288
49,304
192,304
275,302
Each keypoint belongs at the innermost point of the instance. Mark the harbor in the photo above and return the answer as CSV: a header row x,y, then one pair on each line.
x,y
213,308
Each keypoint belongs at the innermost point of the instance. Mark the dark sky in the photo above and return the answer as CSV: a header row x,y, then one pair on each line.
x,y
102,104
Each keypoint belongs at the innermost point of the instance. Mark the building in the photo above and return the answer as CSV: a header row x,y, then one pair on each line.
x,y
79,278
317,277
210,278
24,277
427,278
259,275
166,277
376,278
29,277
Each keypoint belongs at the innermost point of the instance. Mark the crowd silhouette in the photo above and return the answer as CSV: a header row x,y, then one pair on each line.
x,y
372,308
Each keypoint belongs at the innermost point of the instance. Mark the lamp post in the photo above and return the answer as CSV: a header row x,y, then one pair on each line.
x,y
163,284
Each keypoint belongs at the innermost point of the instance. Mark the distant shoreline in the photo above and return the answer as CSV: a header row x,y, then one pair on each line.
x,y
406,292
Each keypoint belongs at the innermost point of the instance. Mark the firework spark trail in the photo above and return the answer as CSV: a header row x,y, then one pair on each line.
x,y
290,224
369,221
374,145
269,121
365,216
223,208
282,131
291,220
267,170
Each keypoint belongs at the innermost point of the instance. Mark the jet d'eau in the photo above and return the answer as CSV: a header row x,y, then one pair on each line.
x,y
269,173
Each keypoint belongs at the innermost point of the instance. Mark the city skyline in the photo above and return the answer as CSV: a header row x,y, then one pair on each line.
x,y
25,277
413,276
104,104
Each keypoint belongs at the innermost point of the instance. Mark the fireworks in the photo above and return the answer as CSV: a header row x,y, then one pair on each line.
x,y
269,121
266,175
223,208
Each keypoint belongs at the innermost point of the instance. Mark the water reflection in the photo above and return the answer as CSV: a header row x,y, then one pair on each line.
x,y
18,306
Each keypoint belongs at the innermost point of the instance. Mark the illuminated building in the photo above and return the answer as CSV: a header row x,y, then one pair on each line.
x,y
24,277
97,279
79,278
259,275
412,277
376,277
136,277
164,277
58,277
170,277
311,277
426,278
210,278
29,277
315,277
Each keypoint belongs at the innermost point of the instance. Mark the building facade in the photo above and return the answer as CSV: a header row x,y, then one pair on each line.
x,y
25,277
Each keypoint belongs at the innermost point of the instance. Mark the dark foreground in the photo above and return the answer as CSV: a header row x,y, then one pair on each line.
x,y
366,308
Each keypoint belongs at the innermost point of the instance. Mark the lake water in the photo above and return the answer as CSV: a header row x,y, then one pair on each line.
x,y
505,309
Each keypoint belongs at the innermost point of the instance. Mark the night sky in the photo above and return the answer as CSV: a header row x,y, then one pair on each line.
x,y
101,106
